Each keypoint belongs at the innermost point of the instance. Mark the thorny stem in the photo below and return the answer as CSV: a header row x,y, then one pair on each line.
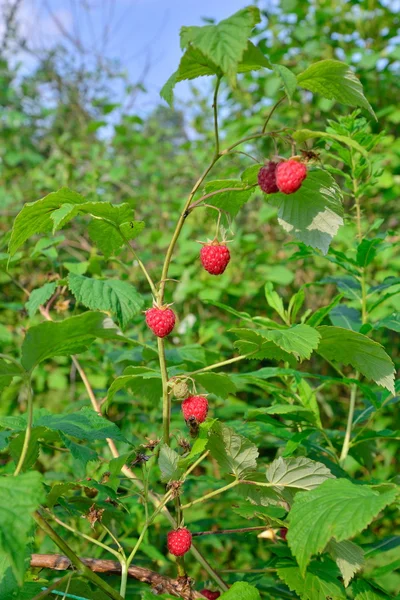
x,y
75,560
28,430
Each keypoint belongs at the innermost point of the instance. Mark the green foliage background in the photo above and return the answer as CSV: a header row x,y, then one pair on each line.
x,y
84,141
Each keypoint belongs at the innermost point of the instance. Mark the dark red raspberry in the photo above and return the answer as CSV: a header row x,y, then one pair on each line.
x,y
210,595
179,541
160,320
215,257
283,533
195,406
267,178
290,174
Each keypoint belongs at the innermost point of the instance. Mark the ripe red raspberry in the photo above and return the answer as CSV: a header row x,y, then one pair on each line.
x,y
267,178
179,541
195,406
290,174
215,257
283,532
160,320
210,595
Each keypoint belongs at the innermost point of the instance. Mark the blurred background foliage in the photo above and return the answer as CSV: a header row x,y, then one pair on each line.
x,y
61,126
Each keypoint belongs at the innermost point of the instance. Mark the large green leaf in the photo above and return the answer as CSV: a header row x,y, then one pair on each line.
x,y
39,296
314,213
232,200
317,584
168,461
64,338
85,424
119,297
216,383
338,509
334,80
226,42
141,381
253,343
233,452
19,497
297,473
35,217
107,237
299,340
348,556
241,591
351,348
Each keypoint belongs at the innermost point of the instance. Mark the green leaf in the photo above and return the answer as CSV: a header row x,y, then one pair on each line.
x,y
140,381
253,59
39,296
301,135
253,343
392,322
231,201
19,497
317,584
85,424
347,317
364,591
319,315
241,591
348,556
274,300
299,340
64,338
226,42
299,412
334,80
216,383
337,508
297,473
118,297
233,452
367,250
107,237
168,461
288,78
351,348
80,453
314,213
35,217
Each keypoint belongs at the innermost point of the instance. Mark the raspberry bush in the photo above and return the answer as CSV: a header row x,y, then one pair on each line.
x,y
210,460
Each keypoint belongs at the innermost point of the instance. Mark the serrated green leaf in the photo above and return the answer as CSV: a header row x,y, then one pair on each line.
x,y
288,78
351,348
119,297
364,591
168,461
337,508
299,340
346,317
108,238
334,80
233,452
85,424
19,497
82,454
226,42
216,383
317,584
314,213
367,250
140,381
35,217
297,473
301,135
257,347
319,315
231,201
39,296
63,338
241,591
348,556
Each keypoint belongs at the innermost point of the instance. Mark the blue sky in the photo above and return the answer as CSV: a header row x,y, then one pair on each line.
x,y
142,34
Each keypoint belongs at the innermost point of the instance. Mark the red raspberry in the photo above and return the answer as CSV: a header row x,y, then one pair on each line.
x,y
210,595
160,320
283,533
195,406
215,257
179,541
290,174
267,178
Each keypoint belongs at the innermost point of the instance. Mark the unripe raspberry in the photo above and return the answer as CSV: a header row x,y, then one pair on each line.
x,y
179,541
210,595
195,406
283,532
180,389
160,320
290,174
267,178
215,257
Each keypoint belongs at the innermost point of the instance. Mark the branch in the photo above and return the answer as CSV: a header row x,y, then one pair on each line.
x,y
159,584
